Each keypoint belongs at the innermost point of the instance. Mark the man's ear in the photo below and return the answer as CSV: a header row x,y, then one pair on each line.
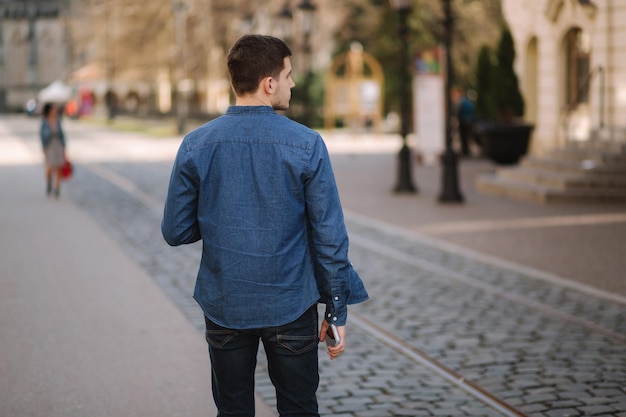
x,y
268,84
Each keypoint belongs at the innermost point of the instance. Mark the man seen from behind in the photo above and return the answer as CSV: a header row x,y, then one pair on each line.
x,y
258,189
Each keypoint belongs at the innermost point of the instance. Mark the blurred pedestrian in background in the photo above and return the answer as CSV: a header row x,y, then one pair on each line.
x,y
53,143
259,191
466,116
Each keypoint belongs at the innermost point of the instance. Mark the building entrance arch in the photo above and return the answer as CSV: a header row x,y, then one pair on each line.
x,y
576,76
577,55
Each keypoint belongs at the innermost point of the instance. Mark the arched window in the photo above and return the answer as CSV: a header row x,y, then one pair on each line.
x,y
577,67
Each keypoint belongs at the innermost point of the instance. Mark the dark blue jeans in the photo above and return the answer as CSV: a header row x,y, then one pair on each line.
x,y
291,352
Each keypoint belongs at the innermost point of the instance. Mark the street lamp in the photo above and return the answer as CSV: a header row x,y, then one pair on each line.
x,y
308,21
110,46
284,20
405,181
182,86
31,15
450,192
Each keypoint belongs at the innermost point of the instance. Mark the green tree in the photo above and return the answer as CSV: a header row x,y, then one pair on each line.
x,y
485,107
499,96
475,23
387,46
508,98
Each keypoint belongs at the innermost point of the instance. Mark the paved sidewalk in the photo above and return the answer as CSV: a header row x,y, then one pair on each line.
x,y
84,331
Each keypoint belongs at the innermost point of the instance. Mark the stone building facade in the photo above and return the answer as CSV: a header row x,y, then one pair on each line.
x,y
571,58
33,49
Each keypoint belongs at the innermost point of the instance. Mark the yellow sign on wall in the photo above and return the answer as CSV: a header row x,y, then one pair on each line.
x,y
354,90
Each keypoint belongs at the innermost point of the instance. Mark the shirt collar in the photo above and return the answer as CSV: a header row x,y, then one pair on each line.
x,y
242,110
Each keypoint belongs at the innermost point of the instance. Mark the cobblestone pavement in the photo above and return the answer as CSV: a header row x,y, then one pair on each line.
x,y
540,349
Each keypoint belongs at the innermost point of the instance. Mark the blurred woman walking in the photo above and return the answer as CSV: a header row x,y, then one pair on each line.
x,y
53,142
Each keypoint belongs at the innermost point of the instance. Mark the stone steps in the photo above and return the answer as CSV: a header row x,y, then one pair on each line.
x,y
598,156
587,165
581,172
563,180
500,187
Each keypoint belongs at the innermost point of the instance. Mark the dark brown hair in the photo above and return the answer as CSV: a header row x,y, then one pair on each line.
x,y
47,108
254,57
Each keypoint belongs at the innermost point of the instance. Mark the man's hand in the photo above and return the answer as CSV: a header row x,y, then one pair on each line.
x,y
334,351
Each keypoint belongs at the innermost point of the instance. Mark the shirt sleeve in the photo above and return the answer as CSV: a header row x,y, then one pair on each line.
x,y
337,281
180,216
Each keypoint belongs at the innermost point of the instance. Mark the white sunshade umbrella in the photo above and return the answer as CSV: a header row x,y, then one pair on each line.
x,y
57,92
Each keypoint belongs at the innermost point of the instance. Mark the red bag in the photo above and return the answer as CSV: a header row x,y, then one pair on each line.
x,y
66,170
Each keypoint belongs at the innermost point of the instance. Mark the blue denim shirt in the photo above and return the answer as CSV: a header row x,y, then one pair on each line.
x,y
258,189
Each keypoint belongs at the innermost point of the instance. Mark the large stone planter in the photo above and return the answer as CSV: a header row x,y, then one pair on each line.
x,y
504,144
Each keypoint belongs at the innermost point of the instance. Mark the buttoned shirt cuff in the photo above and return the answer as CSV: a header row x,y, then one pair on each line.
x,y
336,315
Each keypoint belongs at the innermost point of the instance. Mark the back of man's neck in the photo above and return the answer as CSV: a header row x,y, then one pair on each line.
x,y
253,100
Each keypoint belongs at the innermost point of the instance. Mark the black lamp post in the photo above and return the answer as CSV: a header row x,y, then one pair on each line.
x,y
284,19
450,192
308,15
180,12
405,181
110,47
31,15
